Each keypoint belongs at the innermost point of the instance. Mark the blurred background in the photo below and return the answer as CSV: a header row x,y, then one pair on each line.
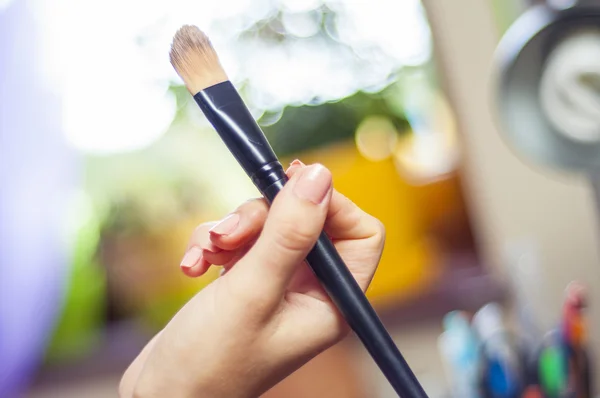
x,y
107,165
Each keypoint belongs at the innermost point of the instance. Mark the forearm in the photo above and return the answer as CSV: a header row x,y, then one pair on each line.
x,y
130,377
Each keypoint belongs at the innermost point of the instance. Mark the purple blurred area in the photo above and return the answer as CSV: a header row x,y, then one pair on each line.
x,y
36,171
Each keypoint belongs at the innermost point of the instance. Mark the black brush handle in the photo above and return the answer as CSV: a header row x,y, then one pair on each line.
x,y
226,111
349,298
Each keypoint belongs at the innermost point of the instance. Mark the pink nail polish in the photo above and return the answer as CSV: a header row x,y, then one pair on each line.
x,y
296,163
191,258
313,184
226,226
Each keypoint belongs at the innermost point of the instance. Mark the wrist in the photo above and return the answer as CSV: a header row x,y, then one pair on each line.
x,y
164,386
182,387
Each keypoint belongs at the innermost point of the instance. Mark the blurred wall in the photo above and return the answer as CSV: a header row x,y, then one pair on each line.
x,y
510,198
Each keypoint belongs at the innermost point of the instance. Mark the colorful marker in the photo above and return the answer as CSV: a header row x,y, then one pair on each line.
x,y
458,346
501,375
574,335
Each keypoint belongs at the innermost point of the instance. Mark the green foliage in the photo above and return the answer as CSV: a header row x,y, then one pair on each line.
x,y
305,127
78,328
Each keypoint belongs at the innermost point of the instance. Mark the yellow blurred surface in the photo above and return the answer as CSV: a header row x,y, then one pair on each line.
x,y
143,274
409,263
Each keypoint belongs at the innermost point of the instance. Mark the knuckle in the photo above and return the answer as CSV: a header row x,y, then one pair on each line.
x,y
377,232
252,204
257,214
380,231
200,233
204,227
292,236
380,228
254,209
350,212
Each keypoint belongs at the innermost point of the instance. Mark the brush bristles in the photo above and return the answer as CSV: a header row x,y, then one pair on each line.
x,y
195,59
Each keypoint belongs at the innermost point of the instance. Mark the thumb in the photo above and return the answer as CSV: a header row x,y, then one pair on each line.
x,y
293,225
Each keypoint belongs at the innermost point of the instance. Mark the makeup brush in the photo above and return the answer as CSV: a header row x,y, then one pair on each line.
x,y
195,60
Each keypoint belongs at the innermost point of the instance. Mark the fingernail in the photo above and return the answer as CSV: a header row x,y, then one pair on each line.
x,y
294,164
227,225
313,184
191,258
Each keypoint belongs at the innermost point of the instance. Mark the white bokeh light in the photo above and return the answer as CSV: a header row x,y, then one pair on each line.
x,y
4,4
302,24
398,27
109,59
114,94
300,5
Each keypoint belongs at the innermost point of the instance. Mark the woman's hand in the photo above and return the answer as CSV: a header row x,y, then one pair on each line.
x,y
266,315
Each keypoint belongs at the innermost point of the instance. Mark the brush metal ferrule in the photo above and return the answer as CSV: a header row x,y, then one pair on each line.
x,y
226,111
